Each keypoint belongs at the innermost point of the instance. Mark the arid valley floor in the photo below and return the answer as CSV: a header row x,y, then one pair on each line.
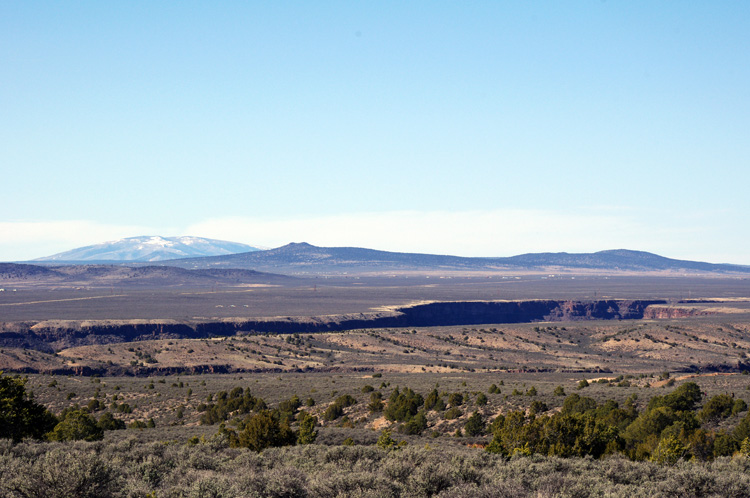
x,y
162,383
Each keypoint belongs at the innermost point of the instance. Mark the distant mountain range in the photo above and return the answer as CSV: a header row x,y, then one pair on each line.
x,y
303,258
196,253
148,249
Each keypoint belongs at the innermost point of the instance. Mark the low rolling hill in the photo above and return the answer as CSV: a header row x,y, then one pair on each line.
x,y
129,276
303,258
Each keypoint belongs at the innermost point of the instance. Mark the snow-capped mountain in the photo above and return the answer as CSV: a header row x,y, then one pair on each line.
x,y
151,248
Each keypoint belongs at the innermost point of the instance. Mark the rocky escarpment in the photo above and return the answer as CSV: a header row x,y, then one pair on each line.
x,y
49,335
475,313
671,312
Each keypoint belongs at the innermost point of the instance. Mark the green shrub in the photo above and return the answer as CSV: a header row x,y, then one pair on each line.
x,y
669,451
452,413
739,406
434,401
76,425
725,445
578,404
565,435
717,408
403,405
290,406
262,431
538,407
415,425
386,442
236,402
336,409
376,402
95,405
307,433
743,428
123,408
745,447
333,412
108,422
684,398
474,426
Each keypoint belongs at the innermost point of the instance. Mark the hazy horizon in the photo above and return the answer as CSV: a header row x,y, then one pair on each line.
x,y
46,258
481,129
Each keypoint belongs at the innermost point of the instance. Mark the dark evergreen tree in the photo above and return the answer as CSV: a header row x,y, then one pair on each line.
x,y
20,415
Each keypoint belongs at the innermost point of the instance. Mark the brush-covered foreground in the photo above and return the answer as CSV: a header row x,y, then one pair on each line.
x,y
385,434
130,469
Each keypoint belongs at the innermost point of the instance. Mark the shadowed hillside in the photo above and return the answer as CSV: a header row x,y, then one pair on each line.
x,y
120,275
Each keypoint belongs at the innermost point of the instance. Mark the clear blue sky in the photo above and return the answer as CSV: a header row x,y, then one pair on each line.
x,y
472,128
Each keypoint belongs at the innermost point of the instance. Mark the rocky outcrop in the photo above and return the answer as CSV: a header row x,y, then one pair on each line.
x,y
22,340
669,312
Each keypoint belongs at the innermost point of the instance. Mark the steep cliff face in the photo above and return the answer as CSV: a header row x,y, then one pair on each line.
x,y
601,310
474,313
77,333
45,336
665,312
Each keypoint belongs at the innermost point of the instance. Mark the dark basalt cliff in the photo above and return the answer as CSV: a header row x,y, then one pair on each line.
x,y
474,313
47,336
